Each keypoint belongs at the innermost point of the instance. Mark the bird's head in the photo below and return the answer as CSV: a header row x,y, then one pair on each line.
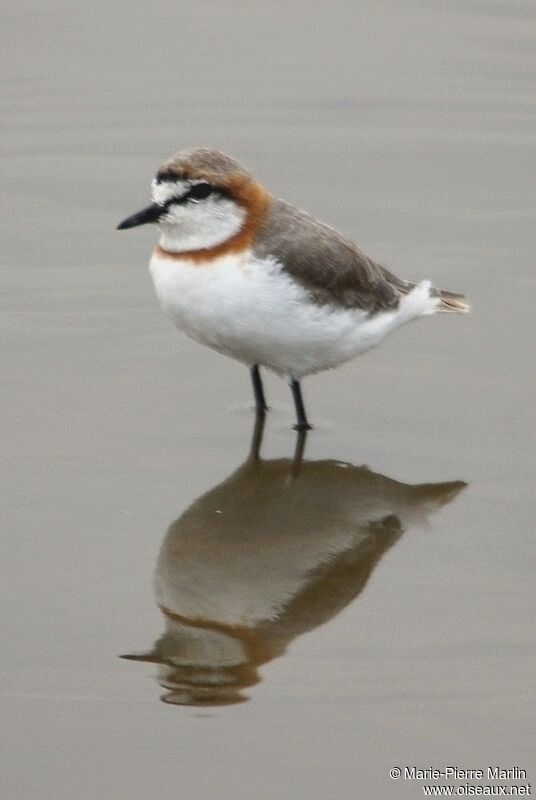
x,y
203,201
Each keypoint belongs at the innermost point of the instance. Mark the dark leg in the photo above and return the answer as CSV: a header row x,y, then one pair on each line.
x,y
258,390
298,452
302,424
256,440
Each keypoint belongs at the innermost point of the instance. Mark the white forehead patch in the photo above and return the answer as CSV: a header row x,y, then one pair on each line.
x,y
162,192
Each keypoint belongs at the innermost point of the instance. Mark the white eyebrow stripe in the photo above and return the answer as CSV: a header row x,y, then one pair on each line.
x,y
162,192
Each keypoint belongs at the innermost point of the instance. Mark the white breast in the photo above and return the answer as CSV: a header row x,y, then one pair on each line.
x,y
253,311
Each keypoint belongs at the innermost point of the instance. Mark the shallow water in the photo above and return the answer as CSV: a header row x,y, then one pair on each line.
x,y
364,624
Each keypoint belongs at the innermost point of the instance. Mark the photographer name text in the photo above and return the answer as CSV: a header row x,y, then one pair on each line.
x,y
458,774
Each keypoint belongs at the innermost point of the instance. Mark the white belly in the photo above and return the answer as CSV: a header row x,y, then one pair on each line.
x,y
254,312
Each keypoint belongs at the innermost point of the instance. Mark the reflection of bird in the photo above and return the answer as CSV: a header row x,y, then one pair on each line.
x,y
261,281
266,556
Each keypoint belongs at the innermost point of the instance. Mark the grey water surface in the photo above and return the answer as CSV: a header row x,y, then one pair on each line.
x,y
307,632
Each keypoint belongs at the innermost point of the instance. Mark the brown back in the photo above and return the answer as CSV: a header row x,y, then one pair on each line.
x,y
332,268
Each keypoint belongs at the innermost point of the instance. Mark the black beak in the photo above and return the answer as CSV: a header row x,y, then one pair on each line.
x,y
149,214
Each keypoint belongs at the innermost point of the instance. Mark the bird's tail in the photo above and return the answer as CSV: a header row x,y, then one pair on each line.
x,y
451,301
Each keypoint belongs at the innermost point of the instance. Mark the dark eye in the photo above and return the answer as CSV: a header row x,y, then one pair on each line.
x,y
199,191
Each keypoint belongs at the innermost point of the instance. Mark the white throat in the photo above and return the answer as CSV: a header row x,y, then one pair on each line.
x,y
196,226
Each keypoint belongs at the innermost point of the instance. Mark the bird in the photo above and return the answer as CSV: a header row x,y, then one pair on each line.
x,y
257,279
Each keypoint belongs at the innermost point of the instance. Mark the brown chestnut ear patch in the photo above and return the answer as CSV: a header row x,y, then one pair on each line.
x,y
253,198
